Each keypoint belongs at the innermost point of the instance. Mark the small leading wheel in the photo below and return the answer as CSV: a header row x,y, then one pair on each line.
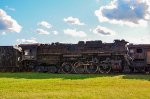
x,y
91,68
67,67
105,68
79,67
53,69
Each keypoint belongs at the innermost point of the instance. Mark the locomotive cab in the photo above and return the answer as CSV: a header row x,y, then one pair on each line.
x,y
140,57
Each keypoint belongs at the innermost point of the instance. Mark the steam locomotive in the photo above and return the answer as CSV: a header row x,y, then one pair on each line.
x,y
83,57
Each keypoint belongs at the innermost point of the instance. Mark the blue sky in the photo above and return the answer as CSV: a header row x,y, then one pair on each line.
x,y
70,21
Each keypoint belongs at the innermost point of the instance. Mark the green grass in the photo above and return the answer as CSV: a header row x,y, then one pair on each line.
x,y
72,86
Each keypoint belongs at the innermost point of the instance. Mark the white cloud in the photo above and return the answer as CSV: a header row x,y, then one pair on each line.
x,y
9,8
125,12
90,30
97,0
75,33
88,39
8,24
139,40
55,32
41,31
45,24
3,33
27,41
103,31
72,20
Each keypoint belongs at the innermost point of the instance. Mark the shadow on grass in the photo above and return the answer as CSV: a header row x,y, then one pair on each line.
x,y
70,76
137,77
52,76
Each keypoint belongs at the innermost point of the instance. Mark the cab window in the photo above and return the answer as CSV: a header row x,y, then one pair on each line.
x,y
28,52
131,51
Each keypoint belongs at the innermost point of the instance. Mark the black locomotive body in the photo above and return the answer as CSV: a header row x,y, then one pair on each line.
x,y
83,57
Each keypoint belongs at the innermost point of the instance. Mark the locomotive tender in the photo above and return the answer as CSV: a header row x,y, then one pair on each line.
x,y
83,57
